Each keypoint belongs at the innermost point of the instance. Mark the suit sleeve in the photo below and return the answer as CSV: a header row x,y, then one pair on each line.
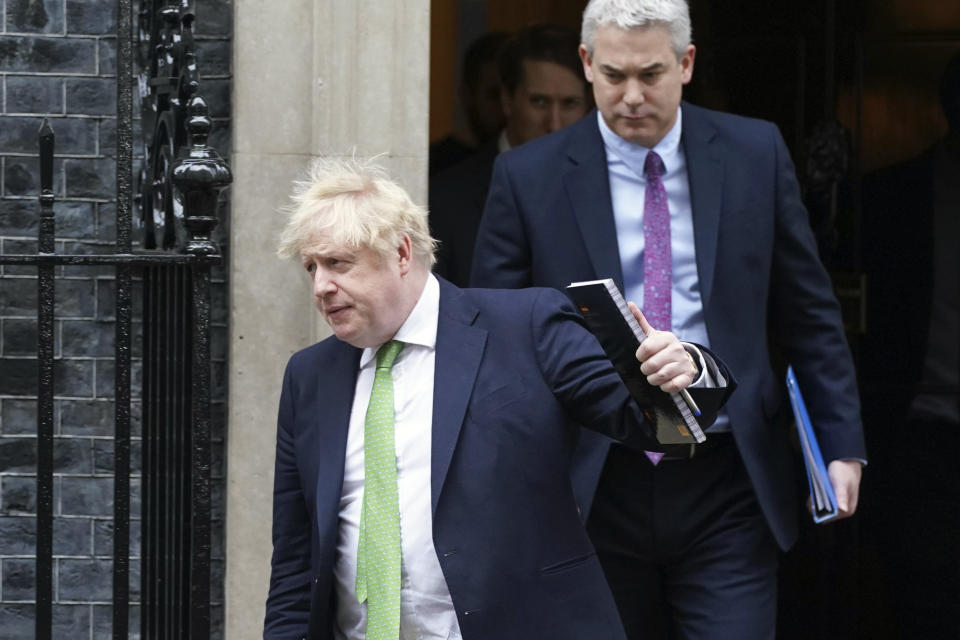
x,y
588,386
501,256
807,322
581,377
288,602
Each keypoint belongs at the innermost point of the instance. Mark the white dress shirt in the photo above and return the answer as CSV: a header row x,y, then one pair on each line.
x,y
426,609
627,193
503,144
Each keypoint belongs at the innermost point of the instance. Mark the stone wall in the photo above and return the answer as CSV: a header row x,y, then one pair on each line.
x,y
342,78
57,60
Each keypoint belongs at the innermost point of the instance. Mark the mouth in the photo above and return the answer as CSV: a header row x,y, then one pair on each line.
x,y
335,311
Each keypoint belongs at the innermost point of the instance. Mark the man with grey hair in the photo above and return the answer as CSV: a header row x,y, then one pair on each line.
x,y
696,214
422,483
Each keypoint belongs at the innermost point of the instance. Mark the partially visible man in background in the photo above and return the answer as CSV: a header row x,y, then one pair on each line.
x,y
910,374
479,95
542,90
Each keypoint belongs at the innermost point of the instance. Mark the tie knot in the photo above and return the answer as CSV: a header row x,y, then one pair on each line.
x,y
388,353
653,165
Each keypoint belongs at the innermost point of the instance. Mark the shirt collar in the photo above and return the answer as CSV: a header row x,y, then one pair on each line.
x,y
503,144
634,155
420,327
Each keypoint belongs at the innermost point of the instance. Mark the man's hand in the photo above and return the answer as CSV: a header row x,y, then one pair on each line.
x,y
845,478
665,362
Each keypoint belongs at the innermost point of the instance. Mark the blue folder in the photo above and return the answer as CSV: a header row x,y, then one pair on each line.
x,y
822,497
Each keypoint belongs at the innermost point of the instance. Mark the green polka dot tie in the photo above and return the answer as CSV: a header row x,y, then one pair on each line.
x,y
378,552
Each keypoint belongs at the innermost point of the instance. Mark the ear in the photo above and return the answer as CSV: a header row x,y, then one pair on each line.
x,y
587,61
405,255
686,64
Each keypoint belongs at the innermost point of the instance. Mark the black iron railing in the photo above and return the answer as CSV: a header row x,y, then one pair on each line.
x,y
180,182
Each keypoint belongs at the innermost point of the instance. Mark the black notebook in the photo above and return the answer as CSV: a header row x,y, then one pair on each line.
x,y
611,321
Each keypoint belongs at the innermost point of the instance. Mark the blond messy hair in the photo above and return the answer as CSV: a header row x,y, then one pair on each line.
x,y
354,203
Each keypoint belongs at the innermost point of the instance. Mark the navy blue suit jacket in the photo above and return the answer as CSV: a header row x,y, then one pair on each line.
x,y
512,369
549,221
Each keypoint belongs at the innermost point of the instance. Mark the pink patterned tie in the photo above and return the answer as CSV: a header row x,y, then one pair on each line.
x,y
656,253
657,265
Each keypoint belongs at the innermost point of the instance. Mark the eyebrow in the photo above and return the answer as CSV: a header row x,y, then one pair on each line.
x,y
323,252
653,66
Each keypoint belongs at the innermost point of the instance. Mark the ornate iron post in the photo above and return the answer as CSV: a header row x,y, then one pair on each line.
x,y
45,328
200,177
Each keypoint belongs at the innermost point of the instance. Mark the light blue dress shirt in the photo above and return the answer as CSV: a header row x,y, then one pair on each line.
x,y
627,190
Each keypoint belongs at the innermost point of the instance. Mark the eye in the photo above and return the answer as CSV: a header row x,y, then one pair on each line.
x,y
310,267
338,264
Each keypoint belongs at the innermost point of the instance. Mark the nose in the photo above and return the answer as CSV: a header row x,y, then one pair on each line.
x,y
633,94
322,284
554,119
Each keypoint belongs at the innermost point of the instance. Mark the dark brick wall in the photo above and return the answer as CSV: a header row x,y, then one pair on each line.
x,y
57,60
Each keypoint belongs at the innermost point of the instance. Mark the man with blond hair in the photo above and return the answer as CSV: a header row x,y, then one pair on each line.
x,y
697,216
422,483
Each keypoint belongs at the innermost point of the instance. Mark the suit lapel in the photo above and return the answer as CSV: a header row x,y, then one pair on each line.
x,y
705,170
588,189
458,353
328,440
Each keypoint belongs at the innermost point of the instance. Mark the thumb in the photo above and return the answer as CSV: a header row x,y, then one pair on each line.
x,y
843,498
647,328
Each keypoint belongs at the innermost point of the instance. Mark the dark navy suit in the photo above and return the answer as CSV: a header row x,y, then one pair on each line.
x,y
549,221
512,369
456,201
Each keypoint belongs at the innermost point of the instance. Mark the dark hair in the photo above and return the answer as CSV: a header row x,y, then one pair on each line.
x,y
541,43
481,51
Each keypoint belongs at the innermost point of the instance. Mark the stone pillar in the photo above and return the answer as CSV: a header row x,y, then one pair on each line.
x,y
311,77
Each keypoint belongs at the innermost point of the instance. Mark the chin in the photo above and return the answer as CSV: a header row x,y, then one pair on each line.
x,y
343,334
640,135
632,137
342,337
358,340
359,344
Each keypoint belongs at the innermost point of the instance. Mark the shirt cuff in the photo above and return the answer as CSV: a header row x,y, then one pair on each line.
x,y
710,376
